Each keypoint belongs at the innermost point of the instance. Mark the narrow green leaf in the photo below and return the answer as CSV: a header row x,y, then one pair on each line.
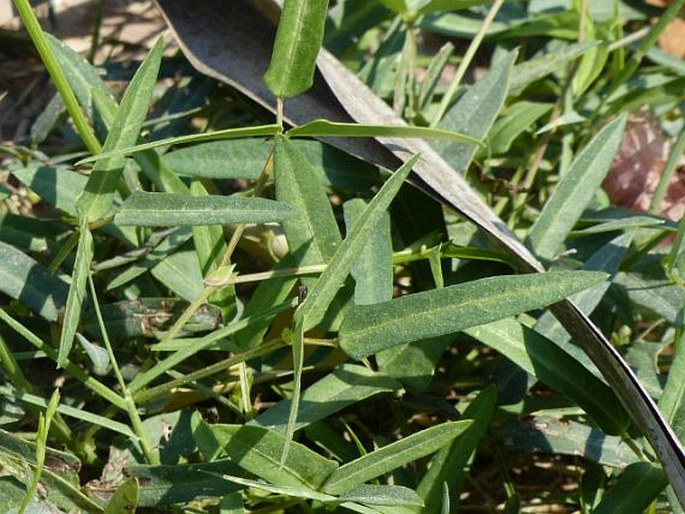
x,y
517,119
77,291
433,74
210,247
295,491
372,271
170,209
635,490
392,456
313,234
382,495
125,499
475,112
325,128
96,200
397,6
298,40
167,485
180,272
434,6
258,450
575,190
590,67
297,344
320,296
672,401
539,67
449,466
232,158
345,386
658,295
148,317
82,76
368,329
24,279
261,130
59,186
543,359
74,412
561,436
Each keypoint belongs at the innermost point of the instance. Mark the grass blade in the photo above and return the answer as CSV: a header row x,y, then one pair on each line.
x,y
169,209
368,329
298,40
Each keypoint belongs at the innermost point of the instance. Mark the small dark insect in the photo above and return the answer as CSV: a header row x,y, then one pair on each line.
x,y
302,291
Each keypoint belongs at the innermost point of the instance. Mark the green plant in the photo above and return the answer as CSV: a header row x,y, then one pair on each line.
x,y
409,305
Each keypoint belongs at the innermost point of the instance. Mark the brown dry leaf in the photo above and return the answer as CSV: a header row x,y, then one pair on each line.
x,y
637,168
672,41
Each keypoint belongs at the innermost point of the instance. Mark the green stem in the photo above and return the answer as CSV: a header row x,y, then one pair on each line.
x,y
71,368
146,395
150,453
466,61
232,245
34,29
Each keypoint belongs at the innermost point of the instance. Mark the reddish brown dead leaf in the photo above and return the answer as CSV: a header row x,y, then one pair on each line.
x,y
637,168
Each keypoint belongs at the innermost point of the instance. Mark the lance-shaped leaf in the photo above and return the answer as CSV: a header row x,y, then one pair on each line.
x,y
325,128
77,291
258,450
543,359
314,230
321,295
450,465
125,499
96,200
475,112
298,40
232,133
392,456
24,279
368,329
635,490
170,209
345,386
575,190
